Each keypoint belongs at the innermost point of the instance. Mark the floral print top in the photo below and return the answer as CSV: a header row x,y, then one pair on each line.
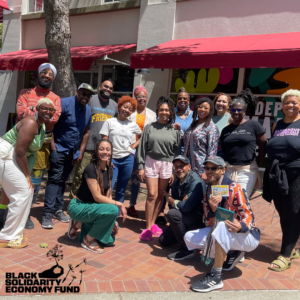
x,y
201,144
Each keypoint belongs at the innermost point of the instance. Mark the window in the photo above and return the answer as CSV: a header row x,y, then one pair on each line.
x,y
31,78
35,6
123,78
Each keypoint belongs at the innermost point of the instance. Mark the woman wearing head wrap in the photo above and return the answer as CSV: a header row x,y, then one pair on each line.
x,y
142,116
201,138
239,141
18,148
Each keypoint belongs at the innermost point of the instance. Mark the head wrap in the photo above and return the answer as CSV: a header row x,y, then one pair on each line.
x,y
46,66
138,89
44,100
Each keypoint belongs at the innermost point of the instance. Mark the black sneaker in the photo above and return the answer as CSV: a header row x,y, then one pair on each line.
x,y
233,257
208,283
29,224
59,215
181,255
2,222
47,222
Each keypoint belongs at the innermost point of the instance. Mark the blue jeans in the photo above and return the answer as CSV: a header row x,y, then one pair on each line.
x,y
60,169
122,171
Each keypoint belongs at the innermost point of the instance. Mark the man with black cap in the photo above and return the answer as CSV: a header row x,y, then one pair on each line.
x,y
186,208
70,136
222,237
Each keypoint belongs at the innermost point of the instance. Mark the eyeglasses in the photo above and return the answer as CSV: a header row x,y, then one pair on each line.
x,y
212,168
236,110
43,108
84,94
108,87
180,167
50,74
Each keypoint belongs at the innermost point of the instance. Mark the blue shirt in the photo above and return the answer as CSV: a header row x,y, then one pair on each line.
x,y
184,124
69,129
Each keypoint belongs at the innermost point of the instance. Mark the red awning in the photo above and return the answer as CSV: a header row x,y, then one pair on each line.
x,y
82,57
281,50
3,4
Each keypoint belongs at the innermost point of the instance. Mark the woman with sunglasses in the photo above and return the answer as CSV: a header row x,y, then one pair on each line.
x,y
142,117
201,138
239,141
18,151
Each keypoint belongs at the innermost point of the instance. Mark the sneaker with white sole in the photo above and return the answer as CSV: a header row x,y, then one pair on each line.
x,y
208,283
59,215
233,258
47,222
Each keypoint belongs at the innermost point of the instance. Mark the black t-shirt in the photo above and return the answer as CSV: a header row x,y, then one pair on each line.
x,y
285,142
84,193
239,142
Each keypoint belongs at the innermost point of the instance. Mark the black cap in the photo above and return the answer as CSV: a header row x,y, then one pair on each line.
x,y
217,160
183,158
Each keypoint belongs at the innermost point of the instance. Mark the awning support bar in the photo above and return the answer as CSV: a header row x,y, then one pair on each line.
x,y
105,57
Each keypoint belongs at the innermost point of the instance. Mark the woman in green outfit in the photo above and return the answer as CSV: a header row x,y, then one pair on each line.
x,y
93,208
18,149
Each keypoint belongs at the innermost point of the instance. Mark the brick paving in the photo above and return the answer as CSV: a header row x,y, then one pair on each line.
x,y
135,266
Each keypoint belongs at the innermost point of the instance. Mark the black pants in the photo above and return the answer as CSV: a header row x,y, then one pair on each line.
x,y
180,223
288,208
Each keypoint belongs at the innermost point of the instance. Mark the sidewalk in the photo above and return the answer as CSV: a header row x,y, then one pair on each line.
x,y
135,266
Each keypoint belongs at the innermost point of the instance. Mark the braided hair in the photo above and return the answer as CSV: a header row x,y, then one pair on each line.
x,y
166,100
249,101
195,113
97,163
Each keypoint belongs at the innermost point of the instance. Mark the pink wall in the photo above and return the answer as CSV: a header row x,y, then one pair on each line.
x,y
214,18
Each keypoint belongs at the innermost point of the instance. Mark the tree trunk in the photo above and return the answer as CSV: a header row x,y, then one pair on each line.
x,y
58,35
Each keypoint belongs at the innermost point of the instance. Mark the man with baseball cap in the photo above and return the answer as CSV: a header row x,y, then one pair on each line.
x,y
26,106
222,237
70,136
186,208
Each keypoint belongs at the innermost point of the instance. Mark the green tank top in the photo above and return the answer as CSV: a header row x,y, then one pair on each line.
x,y
36,144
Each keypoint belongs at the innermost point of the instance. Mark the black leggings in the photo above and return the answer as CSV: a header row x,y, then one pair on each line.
x,y
288,208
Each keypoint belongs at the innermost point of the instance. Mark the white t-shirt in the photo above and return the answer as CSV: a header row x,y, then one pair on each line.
x,y
120,134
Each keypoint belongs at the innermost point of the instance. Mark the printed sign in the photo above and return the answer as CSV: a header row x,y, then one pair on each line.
x,y
220,190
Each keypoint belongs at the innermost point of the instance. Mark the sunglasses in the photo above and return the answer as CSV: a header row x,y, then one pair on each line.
x,y
50,74
84,94
236,110
212,168
43,108
108,87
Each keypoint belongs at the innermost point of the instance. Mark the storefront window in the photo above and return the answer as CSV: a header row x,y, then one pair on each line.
x,y
35,5
122,77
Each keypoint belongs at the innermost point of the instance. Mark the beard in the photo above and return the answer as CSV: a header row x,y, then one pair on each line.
x,y
102,94
43,84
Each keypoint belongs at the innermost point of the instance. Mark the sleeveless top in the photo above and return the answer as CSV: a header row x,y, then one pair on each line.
x,y
36,144
284,144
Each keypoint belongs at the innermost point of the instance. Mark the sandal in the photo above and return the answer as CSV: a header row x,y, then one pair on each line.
x,y
156,230
72,226
87,245
115,229
282,263
146,235
15,244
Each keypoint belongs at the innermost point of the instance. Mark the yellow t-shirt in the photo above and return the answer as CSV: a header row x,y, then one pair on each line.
x,y
140,121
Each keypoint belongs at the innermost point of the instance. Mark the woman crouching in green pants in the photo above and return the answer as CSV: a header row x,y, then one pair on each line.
x,y
93,205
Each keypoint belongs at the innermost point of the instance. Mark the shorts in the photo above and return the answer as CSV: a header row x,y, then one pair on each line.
x,y
158,169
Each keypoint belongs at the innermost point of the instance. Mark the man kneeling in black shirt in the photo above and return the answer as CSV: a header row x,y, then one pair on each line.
x,y
186,208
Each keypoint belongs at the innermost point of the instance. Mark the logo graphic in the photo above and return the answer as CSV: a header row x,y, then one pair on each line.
x,y
46,281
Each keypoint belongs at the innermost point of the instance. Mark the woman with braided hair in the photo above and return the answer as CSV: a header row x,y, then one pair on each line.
x,y
239,141
160,143
93,208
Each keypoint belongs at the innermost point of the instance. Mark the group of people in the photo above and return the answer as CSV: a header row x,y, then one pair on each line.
x,y
178,152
